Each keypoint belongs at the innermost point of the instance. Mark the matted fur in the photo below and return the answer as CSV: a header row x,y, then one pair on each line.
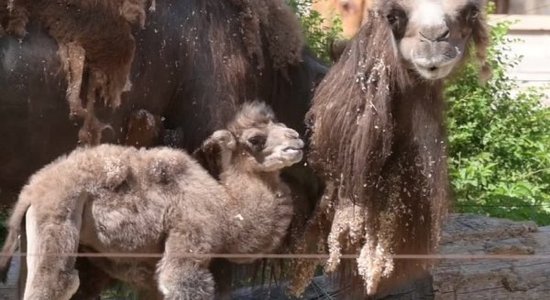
x,y
97,45
282,31
93,36
121,199
191,69
378,140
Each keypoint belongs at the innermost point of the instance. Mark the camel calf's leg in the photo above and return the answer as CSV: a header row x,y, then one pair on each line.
x,y
51,272
182,278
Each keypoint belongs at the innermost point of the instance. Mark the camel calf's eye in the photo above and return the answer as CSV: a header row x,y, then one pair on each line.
x,y
257,141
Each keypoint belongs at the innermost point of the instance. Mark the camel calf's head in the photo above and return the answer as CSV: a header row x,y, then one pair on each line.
x,y
256,141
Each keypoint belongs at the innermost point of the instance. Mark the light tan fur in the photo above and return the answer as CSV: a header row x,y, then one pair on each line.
x,y
112,198
351,12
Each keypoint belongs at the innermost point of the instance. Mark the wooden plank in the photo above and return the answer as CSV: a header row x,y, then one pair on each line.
x,y
523,22
533,31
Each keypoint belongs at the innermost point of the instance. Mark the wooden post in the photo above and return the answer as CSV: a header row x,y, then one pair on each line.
x,y
521,272
502,6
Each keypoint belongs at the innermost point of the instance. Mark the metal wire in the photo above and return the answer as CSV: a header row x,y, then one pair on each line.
x,y
290,256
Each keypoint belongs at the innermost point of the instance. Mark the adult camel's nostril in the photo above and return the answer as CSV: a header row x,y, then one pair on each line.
x,y
436,33
444,36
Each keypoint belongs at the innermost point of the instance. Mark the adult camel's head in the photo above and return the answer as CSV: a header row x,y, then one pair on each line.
x,y
433,36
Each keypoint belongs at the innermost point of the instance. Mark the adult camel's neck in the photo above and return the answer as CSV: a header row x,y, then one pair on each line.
x,y
420,137
419,113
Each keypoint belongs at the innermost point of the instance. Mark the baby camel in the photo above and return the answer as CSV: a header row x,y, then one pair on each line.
x,y
120,199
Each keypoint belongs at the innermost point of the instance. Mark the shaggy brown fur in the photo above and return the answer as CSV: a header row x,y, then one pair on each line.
x,y
281,27
191,67
95,34
120,199
144,129
378,137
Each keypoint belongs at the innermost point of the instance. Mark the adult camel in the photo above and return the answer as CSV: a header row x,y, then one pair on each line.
x,y
378,137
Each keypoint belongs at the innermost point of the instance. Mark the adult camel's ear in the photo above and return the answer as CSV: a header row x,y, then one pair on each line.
x,y
477,17
337,47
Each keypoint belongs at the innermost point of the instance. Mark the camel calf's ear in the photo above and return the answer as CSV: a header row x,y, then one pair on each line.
x,y
213,155
224,138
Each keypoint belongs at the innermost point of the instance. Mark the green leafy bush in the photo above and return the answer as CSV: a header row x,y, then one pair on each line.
x,y
499,140
120,292
318,37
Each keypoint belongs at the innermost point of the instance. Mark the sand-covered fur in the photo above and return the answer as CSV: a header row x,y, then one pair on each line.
x,y
120,199
378,137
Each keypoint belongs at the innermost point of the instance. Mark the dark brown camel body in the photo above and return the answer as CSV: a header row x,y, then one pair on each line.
x,y
191,71
173,77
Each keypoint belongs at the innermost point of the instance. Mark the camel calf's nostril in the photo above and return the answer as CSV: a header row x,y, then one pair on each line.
x,y
291,134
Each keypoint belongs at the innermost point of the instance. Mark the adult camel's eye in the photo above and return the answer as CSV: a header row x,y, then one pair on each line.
x,y
392,18
397,18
